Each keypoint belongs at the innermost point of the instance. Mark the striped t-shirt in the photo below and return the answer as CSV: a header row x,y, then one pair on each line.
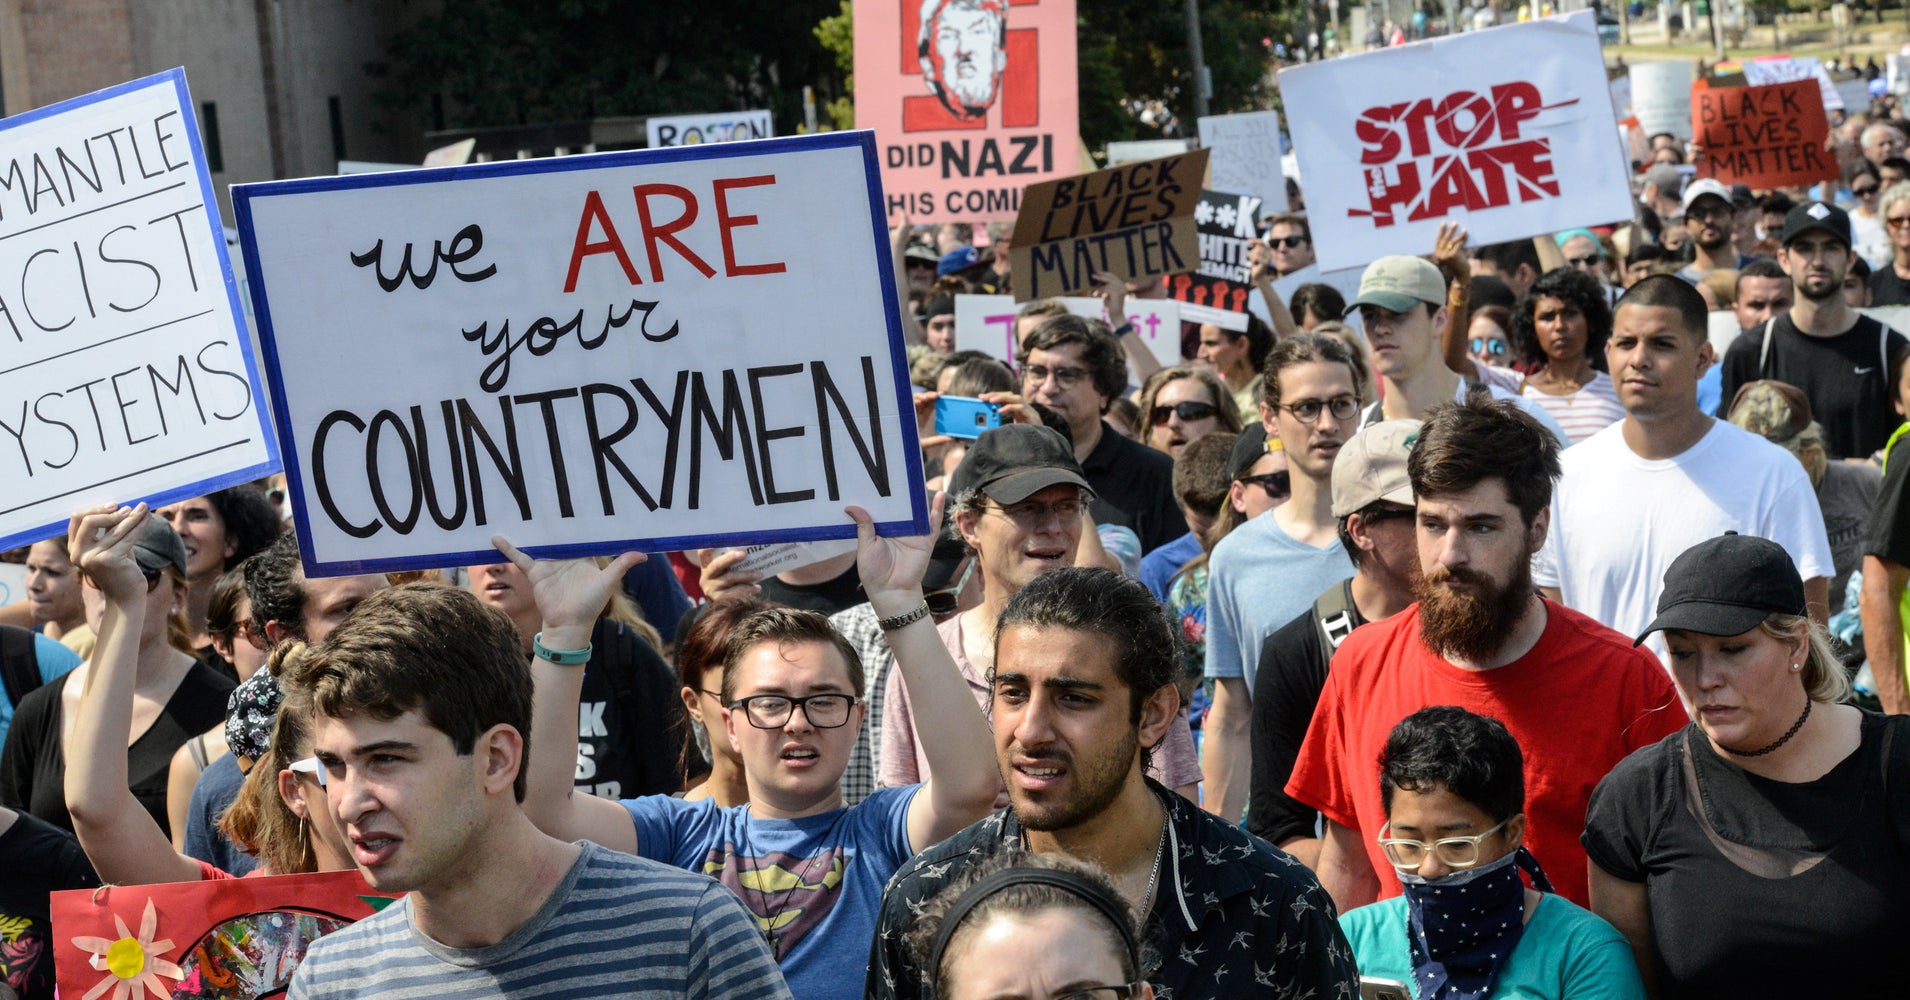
x,y
1584,413
616,926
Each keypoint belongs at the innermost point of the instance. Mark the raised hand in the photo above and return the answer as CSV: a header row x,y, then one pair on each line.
x,y
1112,291
892,568
1449,253
100,542
719,579
1261,257
570,593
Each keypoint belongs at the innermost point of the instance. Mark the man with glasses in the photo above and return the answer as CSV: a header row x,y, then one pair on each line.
x,y
1453,786
1291,241
1710,219
1271,568
1018,501
1373,499
1075,367
1403,306
1839,357
1577,695
807,867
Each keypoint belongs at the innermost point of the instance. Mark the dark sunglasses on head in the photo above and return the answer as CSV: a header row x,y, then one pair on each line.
x,y
1286,241
1190,410
1277,484
1481,345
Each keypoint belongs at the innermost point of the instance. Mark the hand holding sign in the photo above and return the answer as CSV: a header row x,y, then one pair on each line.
x,y
570,593
891,568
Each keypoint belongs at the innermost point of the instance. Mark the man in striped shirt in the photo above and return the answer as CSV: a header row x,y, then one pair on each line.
x,y
420,707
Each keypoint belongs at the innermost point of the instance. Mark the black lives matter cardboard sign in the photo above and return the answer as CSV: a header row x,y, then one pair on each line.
x,y
1135,221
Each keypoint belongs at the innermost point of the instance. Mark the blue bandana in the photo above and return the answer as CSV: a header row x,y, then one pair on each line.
x,y
1464,926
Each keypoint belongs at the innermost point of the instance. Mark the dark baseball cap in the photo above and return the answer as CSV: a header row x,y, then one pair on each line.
x,y
1816,215
1248,447
1012,463
159,546
1726,586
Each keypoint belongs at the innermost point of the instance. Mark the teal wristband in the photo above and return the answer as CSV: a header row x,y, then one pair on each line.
x,y
561,657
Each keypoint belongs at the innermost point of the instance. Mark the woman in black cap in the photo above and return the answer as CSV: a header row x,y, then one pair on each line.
x,y
1760,851
1031,925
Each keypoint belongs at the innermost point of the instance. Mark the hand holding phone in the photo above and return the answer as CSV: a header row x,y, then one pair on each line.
x,y
965,416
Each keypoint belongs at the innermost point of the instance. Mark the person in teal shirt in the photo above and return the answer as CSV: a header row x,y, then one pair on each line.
x,y
1468,927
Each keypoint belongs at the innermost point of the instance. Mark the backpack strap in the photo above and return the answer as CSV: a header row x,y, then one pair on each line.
x,y
1764,352
1333,612
19,662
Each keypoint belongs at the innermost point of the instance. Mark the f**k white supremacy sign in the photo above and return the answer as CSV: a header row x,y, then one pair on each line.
x,y
125,372
585,354
1507,131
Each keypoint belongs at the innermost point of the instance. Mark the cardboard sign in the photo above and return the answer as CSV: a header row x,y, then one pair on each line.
x,y
970,100
125,372
1661,97
1135,221
1246,157
1134,150
1218,293
693,130
1764,137
1465,129
233,939
987,323
575,353
1767,70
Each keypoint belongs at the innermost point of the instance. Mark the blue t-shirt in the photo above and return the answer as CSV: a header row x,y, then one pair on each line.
x,y
55,661
1258,579
1160,565
218,786
813,884
1565,951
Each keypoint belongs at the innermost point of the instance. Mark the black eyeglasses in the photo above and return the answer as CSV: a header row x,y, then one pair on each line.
x,y
1582,262
1287,241
1378,514
1189,411
772,711
1481,345
1277,484
1865,192
1308,410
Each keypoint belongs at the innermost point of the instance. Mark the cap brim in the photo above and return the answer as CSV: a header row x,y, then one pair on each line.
x,y
1704,618
1820,228
1398,302
1021,485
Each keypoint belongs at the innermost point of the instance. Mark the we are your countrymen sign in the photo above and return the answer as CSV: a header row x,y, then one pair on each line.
x,y
585,354
1470,129
125,372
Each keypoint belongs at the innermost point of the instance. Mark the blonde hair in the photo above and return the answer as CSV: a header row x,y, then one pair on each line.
x,y
1764,411
1823,673
622,609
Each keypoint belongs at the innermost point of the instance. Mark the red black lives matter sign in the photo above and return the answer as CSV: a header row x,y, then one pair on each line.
x,y
970,100
1469,128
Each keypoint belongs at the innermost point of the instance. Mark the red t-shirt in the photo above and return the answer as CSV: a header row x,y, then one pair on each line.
x,y
1578,703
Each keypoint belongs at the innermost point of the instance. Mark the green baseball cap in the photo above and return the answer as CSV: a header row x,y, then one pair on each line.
x,y
1398,283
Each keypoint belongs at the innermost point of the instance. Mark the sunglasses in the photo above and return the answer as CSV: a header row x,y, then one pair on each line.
x,y
309,766
1583,262
153,576
1277,484
941,603
1283,242
1189,411
1493,347
1865,192
1898,221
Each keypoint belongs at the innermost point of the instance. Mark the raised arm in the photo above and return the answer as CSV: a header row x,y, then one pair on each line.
x,y
1112,292
570,593
1261,276
119,836
898,260
1449,254
949,726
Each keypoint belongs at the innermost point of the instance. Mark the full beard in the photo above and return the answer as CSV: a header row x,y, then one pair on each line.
x,y
1471,626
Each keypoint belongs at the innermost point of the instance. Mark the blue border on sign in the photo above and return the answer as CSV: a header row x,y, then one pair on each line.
x,y
244,194
254,380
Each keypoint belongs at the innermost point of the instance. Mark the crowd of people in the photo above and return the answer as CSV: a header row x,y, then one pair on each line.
x,y
1526,625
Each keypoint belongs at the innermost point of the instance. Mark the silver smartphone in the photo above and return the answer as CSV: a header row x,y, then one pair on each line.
x,y
1375,988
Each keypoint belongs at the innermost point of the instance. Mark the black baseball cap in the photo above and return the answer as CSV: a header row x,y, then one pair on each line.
x,y
1726,586
1248,447
159,547
1012,463
1816,215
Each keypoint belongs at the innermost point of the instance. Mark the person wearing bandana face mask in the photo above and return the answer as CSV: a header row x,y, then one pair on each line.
x,y
1468,927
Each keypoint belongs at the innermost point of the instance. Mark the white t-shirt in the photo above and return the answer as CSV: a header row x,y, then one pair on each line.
x,y
1619,520
1374,413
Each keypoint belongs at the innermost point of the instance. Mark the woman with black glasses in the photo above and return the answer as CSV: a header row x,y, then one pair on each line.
x,y
1182,403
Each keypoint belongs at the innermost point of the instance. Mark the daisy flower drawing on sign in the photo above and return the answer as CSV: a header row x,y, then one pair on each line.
x,y
133,961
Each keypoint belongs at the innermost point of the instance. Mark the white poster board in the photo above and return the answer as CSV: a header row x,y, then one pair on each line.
x,y
1246,157
578,354
1760,72
694,130
1462,129
987,323
1144,149
125,371
1661,97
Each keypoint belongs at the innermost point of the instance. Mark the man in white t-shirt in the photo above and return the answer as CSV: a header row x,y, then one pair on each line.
x,y
1402,304
1668,476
